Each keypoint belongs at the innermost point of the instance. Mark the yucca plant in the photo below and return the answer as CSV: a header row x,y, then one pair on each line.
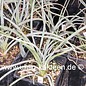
x,y
6,45
52,44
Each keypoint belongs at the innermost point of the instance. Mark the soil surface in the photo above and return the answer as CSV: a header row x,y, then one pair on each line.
x,y
9,57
